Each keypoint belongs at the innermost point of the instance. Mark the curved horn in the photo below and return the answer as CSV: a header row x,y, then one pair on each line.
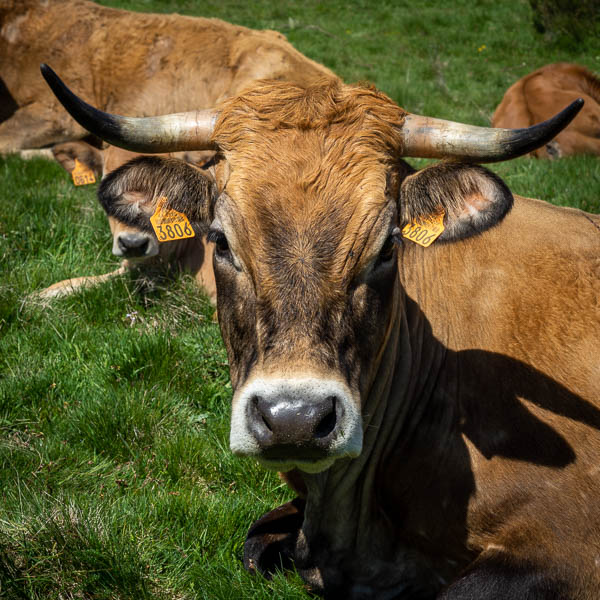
x,y
166,133
426,137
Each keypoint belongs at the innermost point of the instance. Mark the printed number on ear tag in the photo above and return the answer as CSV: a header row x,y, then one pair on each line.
x,y
170,224
425,232
82,174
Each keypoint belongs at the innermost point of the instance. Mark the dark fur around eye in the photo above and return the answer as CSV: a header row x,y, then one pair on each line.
x,y
387,252
221,244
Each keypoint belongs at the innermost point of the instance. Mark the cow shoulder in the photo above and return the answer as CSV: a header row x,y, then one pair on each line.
x,y
131,193
471,198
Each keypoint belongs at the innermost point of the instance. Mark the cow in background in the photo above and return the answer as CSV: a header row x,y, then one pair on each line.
x,y
539,95
136,63
138,249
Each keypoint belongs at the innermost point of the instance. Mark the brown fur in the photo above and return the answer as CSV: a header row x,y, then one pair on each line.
x,y
541,94
126,62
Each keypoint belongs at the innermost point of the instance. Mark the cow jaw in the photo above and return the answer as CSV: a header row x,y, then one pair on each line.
x,y
305,422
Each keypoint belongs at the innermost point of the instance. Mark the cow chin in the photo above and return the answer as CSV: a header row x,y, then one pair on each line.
x,y
307,466
305,422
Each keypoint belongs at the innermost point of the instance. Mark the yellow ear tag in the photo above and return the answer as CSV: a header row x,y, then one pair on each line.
x,y
169,224
425,232
82,174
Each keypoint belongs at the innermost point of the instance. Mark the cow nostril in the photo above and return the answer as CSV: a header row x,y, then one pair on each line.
x,y
327,423
257,401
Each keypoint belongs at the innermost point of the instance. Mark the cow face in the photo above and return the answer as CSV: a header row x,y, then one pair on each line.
x,y
306,257
129,241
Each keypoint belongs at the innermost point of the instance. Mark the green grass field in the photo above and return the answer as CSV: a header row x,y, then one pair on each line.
x,y
116,480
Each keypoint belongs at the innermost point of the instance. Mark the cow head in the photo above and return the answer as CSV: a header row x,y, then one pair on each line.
x,y
129,242
305,206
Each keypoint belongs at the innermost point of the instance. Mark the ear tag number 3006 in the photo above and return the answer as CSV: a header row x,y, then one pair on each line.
x,y
425,232
82,174
170,224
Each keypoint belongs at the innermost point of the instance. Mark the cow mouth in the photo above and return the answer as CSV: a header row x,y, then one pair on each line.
x,y
306,465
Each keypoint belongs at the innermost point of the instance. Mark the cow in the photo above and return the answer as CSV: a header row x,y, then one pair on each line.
x,y
137,63
435,405
138,249
158,63
538,95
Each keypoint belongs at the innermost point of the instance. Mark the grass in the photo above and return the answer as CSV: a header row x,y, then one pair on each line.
x,y
116,478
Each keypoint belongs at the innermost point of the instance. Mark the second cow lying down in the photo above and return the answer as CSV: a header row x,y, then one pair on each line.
x,y
136,247
539,95
166,63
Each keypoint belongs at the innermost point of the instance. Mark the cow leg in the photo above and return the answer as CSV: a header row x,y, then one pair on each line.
x,y
497,577
271,540
574,142
71,286
35,126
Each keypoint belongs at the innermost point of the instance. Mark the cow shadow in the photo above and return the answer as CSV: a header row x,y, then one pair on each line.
x,y
494,400
498,417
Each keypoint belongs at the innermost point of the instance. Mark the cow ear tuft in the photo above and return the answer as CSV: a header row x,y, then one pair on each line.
x,y
472,198
131,193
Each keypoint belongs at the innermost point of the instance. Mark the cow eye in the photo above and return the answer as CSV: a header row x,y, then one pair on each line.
x,y
221,244
387,252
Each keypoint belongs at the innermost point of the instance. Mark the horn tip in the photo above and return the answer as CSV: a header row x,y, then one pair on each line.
x,y
570,111
47,72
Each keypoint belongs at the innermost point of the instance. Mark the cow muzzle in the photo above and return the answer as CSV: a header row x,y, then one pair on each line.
x,y
304,423
133,244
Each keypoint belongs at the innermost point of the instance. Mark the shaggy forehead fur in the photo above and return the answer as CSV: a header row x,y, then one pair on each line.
x,y
308,174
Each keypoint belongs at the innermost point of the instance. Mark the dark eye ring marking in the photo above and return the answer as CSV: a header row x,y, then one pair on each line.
x,y
388,250
222,250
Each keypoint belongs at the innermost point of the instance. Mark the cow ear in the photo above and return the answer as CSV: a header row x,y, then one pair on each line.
x,y
85,153
131,193
472,198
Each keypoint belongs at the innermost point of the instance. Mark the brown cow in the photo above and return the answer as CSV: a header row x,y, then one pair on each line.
x,y
539,95
137,248
158,63
437,407
136,63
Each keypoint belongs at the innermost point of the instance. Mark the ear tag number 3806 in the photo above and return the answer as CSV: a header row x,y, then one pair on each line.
x,y
425,232
170,224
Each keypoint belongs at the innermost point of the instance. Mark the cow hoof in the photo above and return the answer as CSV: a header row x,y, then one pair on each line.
x,y
271,540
